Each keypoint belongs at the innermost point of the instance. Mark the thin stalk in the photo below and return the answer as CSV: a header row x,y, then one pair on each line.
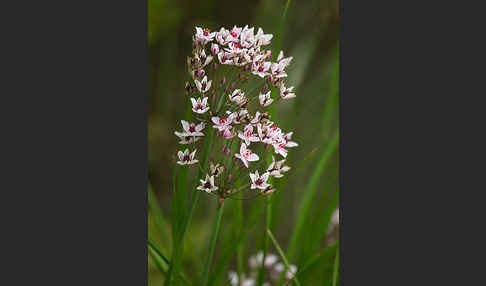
x,y
282,255
214,237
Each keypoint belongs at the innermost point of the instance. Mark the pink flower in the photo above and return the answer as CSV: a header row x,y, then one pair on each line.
x,y
203,36
247,135
246,155
222,123
191,129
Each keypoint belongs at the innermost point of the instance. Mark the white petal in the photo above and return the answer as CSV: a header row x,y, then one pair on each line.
x,y
253,157
185,125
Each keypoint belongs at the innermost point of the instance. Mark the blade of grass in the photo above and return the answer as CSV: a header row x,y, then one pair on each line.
x,y
323,219
282,255
309,195
336,267
214,237
332,100
326,252
230,250
161,261
157,215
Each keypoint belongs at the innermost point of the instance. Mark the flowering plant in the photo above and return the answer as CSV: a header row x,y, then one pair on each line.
x,y
230,91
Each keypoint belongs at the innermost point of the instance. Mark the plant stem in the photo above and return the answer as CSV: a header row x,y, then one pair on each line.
x,y
214,237
282,255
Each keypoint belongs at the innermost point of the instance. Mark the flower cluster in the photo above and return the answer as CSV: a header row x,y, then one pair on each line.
x,y
272,266
232,74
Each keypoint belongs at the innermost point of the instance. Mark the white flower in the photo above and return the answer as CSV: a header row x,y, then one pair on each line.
x,y
203,85
203,36
207,185
185,139
246,155
233,278
268,190
203,59
247,135
186,158
290,272
191,129
215,170
222,123
200,106
222,36
279,148
284,62
238,97
286,93
287,138
258,181
260,69
247,37
265,99
234,34
263,39
257,118
237,116
225,58
277,168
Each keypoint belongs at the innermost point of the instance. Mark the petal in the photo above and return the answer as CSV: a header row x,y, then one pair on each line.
x,y
185,125
215,119
264,177
242,148
194,102
204,101
253,177
253,157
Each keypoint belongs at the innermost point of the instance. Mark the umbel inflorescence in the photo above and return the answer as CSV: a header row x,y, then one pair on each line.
x,y
230,92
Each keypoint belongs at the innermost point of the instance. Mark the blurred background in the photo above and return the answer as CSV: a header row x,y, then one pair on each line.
x,y
310,35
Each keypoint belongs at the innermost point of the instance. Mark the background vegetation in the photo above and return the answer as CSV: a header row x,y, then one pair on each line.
x,y
302,207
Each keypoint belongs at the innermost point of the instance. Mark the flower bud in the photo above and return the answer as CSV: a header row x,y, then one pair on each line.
x,y
214,49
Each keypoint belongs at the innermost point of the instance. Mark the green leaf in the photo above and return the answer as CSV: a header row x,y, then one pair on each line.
x,y
214,238
157,215
309,195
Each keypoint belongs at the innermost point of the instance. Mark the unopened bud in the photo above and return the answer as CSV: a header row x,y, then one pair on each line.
x,y
223,81
229,178
233,84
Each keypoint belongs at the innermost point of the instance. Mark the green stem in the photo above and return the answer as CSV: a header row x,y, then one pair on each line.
x,y
214,237
282,255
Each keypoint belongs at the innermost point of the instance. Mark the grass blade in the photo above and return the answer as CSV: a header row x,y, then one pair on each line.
x,y
336,267
230,250
282,255
214,237
309,195
157,215
161,261
326,252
